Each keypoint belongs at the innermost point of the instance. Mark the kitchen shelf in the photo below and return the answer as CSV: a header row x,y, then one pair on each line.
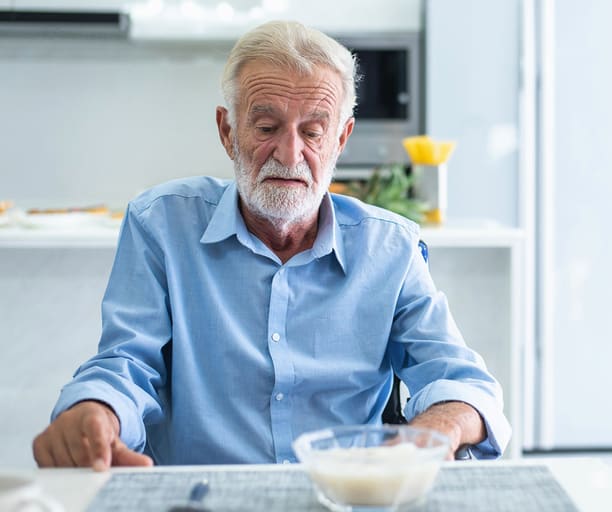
x,y
454,234
471,234
32,238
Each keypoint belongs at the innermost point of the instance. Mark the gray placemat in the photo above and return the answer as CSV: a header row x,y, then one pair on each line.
x,y
460,489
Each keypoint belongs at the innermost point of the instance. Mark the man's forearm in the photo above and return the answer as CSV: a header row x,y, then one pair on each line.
x,y
457,420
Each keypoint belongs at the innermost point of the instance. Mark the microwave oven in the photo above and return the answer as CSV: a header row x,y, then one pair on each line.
x,y
388,99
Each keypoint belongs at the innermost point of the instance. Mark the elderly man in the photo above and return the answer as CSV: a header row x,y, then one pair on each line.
x,y
240,314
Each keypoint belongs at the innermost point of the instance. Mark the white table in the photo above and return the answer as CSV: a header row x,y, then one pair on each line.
x,y
588,481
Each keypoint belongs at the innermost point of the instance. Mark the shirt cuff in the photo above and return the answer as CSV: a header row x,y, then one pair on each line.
x,y
490,409
132,431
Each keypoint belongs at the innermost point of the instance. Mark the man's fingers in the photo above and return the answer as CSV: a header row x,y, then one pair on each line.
x,y
98,435
51,449
62,455
77,446
42,452
123,456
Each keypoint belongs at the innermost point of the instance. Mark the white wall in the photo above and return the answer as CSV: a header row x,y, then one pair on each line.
x,y
85,122
579,349
472,76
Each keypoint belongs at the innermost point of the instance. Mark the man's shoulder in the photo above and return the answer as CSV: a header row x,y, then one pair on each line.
x,y
353,213
205,188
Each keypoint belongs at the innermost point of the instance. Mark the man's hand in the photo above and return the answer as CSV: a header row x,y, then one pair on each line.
x,y
86,435
459,421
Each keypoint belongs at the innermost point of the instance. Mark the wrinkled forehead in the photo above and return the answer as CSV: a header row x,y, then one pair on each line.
x,y
266,86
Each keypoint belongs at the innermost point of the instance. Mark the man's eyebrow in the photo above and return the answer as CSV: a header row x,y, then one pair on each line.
x,y
319,115
315,115
262,109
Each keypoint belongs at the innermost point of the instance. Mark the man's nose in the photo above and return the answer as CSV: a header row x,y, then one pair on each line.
x,y
290,149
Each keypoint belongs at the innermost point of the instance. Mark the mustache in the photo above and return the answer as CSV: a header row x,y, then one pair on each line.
x,y
274,169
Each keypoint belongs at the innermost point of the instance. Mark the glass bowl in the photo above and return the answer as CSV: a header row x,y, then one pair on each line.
x,y
367,468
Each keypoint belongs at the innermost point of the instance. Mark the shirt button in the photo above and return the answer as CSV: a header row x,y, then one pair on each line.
x,y
279,396
275,337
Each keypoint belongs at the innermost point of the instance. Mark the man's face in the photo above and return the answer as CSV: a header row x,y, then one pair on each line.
x,y
286,140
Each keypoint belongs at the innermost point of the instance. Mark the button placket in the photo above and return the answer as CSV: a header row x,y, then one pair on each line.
x,y
284,374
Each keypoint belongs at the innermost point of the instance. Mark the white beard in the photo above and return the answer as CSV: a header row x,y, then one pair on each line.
x,y
282,206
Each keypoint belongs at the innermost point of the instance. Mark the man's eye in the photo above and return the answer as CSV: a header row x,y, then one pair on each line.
x,y
313,135
265,129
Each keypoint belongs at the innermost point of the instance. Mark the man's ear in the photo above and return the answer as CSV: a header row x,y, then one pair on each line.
x,y
345,134
225,131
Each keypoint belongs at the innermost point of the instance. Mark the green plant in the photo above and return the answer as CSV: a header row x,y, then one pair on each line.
x,y
389,188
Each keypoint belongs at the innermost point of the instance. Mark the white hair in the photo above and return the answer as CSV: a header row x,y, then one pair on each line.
x,y
291,45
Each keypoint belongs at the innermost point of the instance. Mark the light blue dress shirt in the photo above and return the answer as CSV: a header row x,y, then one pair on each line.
x,y
213,351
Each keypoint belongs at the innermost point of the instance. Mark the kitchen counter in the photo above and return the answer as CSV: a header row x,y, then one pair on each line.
x,y
18,237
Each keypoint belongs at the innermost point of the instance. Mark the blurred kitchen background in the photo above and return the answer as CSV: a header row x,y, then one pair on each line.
x,y
101,99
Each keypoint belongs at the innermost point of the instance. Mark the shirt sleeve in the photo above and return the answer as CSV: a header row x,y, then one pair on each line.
x,y
129,368
430,356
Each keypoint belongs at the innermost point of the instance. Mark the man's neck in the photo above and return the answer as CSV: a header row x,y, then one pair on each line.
x,y
285,239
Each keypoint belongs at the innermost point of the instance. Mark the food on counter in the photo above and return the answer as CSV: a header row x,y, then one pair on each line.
x,y
5,206
69,218
60,218
98,210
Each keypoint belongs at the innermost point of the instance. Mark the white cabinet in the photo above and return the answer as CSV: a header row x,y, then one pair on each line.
x,y
69,5
215,20
345,16
49,324
208,19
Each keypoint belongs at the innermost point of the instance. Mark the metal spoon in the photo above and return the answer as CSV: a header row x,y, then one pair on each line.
x,y
194,504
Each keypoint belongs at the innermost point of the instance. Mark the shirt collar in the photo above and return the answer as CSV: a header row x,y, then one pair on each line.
x,y
329,238
227,221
